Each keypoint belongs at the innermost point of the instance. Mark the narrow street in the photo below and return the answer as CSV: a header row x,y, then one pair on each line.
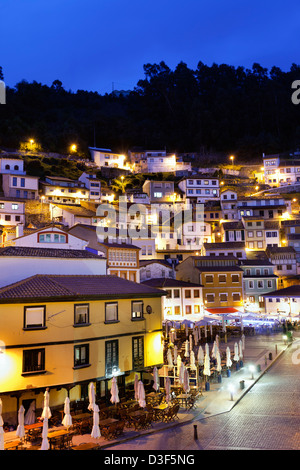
x,y
266,418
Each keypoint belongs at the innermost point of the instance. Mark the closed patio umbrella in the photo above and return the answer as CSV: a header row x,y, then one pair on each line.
x,y
136,387
168,389
240,349
192,361
156,379
91,396
200,355
191,342
67,419
206,369
96,429
236,352
186,381
114,391
218,357
30,415
214,349
170,359
142,401
181,373
1,428
20,429
175,354
228,357
243,341
45,442
186,349
46,410
206,349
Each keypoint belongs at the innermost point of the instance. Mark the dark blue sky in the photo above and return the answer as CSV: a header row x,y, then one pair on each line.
x,y
91,44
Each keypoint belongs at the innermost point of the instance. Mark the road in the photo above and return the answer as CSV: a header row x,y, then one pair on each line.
x,y
266,418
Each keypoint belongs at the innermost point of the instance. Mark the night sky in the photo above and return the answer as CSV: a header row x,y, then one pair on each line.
x,y
98,45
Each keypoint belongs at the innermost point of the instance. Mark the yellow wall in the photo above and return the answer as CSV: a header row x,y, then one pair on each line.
x,y
59,338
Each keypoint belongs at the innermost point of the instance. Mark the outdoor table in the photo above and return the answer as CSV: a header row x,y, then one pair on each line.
x,y
183,398
106,422
160,410
34,430
12,445
54,434
137,413
81,416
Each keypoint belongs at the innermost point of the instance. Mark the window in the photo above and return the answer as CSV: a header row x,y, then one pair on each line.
x,y
196,293
81,355
176,293
81,314
196,308
223,297
15,181
33,360
209,279
270,284
111,312
187,294
35,317
222,277
22,182
250,234
235,278
111,357
210,298
289,267
236,297
7,218
169,294
137,309
157,194
177,310
188,309
260,284
251,285
15,207
137,352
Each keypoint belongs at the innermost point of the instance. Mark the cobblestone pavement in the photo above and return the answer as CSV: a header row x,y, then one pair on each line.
x,y
266,418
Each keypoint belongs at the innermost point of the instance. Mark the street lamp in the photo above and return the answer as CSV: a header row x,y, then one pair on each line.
x,y
232,159
73,148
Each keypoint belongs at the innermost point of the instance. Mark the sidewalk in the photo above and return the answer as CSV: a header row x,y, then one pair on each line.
x,y
261,351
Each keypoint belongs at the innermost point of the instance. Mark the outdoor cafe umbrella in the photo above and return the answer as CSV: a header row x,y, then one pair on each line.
x,y
1,428
168,389
218,357
114,391
236,352
136,387
46,410
191,342
196,336
170,359
178,364
45,442
206,349
186,346
175,354
91,396
20,429
214,349
67,420
192,361
228,357
200,355
243,341
186,381
241,349
206,369
141,391
96,429
181,373
156,379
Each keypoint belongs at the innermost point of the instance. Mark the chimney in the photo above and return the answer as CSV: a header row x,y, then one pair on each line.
x,y
19,230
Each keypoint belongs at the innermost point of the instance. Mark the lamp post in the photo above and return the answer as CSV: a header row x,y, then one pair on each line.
x,y
232,159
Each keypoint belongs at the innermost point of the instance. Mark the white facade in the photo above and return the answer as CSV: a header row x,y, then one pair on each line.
x,y
70,216
50,237
201,188
162,163
228,200
12,166
93,184
12,212
16,268
156,269
20,186
105,157
282,171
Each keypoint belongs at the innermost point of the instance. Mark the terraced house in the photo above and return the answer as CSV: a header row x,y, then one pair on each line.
x,y
62,332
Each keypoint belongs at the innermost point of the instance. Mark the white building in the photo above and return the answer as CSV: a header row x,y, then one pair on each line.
x,y
17,263
155,268
93,184
70,215
183,300
200,188
228,201
50,237
20,186
12,165
64,190
12,212
283,302
106,157
282,170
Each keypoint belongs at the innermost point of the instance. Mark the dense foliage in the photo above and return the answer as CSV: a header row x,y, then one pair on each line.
x,y
216,108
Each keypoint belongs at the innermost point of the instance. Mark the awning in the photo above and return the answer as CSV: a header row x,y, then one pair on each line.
x,y
222,311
